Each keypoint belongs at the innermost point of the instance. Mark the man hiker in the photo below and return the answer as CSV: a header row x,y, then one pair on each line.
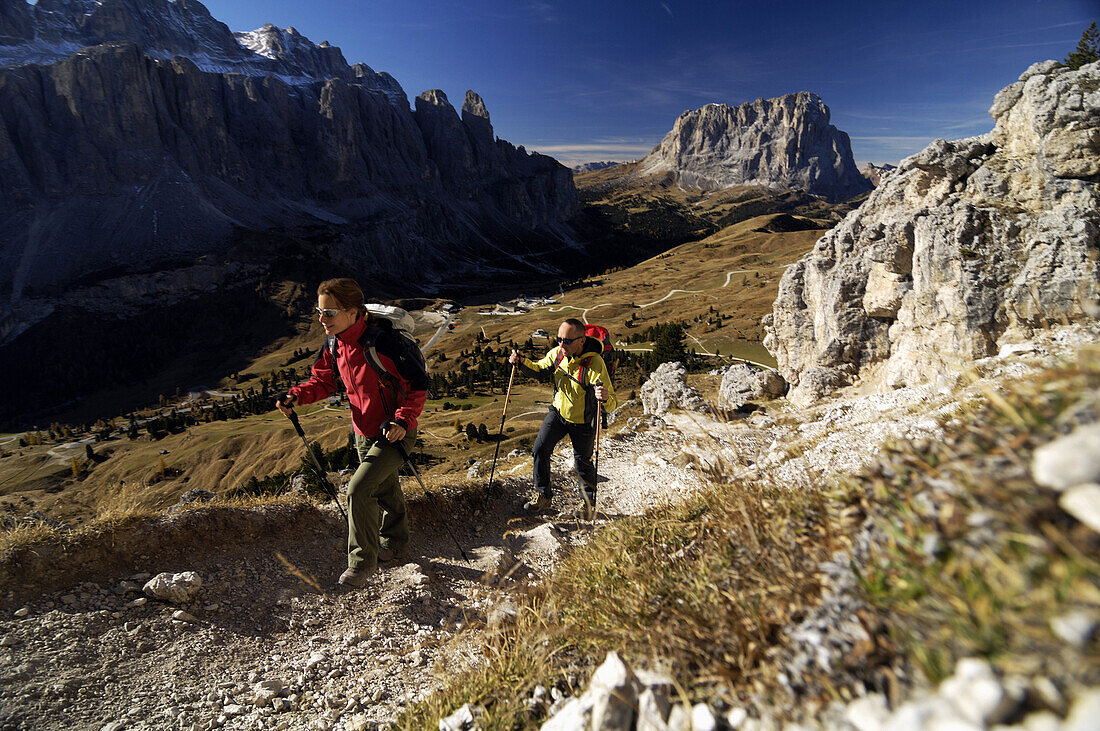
x,y
386,385
580,381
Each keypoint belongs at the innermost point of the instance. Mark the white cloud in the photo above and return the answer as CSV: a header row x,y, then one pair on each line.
x,y
582,152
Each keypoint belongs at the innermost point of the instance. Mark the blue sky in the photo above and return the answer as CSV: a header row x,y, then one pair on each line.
x,y
587,80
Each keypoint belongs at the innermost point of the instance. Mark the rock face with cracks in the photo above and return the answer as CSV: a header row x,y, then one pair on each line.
x,y
786,142
137,134
968,246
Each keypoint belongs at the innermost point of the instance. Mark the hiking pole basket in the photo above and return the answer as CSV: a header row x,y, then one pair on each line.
x,y
325,484
431,498
500,434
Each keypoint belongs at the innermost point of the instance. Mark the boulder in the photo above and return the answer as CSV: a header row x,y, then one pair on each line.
x,y
174,588
742,383
667,388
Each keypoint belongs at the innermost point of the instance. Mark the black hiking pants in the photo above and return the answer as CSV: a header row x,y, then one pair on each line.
x,y
554,427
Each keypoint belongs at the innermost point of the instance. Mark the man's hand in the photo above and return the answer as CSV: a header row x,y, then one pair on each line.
x,y
515,358
601,393
286,404
393,432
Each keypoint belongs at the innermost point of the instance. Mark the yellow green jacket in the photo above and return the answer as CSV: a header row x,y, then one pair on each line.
x,y
569,396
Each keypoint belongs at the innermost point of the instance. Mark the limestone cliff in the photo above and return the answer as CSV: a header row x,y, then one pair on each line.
x,y
786,142
968,246
169,138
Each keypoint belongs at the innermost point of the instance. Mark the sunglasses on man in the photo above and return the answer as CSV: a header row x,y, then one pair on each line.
x,y
566,341
329,312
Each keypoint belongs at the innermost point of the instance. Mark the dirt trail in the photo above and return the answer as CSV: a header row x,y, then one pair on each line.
x,y
87,655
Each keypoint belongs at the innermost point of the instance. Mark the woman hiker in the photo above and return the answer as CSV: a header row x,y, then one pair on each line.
x,y
386,385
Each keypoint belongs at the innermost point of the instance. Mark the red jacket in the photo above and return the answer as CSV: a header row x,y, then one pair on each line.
x,y
372,403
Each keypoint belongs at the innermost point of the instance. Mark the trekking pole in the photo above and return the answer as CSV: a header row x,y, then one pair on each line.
x,y
596,453
500,434
325,484
431,498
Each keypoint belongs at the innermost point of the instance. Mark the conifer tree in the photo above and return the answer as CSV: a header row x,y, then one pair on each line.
x,y
1088,48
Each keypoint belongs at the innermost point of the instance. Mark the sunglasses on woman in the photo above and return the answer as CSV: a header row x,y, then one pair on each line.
x,y
329,312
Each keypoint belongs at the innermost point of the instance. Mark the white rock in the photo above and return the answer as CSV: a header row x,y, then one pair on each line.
x,y
114,726
653,708
1070,460
20,613
915,714
1042,721
1083,503
182,616
234,709
702,718
573,715
868,713
679,718
1085,713
1077,628
460,720
976,694
174,588
737,717
139,602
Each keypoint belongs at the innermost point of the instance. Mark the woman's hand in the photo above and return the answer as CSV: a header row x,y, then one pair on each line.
x,y
394,432
286,404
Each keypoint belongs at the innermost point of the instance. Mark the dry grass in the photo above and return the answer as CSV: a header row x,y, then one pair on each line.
x,y
708,587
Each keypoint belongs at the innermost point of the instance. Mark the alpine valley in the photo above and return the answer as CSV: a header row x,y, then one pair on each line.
x,y
852,481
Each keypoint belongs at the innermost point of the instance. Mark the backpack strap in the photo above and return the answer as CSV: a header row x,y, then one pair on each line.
x,y
554,370
385,378
330,346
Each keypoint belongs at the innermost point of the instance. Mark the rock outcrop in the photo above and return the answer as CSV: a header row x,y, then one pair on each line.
x,y
968,246
138,134
667,388
786,143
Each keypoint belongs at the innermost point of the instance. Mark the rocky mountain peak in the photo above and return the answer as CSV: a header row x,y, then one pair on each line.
x,y
473,106
476,118
968,247
53,30
785,142
135,148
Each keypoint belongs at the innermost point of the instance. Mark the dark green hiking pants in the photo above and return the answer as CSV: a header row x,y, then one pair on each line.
x,y
375,503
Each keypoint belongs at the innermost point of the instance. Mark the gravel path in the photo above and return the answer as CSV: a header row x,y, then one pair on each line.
x,y
271,642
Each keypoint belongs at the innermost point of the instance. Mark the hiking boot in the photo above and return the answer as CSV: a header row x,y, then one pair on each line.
x,y
537,504
355,577
385,555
